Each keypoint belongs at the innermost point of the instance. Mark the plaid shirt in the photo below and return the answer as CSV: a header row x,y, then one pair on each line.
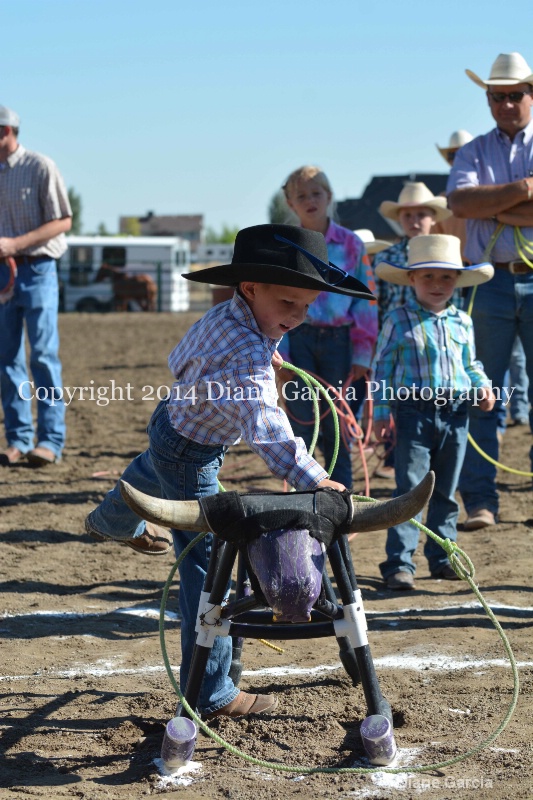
x,y
391,295
346,251
225,389
419,348
32,192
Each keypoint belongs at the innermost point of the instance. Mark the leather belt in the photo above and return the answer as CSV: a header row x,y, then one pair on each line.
x,y
21,260
514,267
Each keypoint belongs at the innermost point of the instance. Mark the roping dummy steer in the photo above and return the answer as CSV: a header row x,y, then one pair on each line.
x,y
282,539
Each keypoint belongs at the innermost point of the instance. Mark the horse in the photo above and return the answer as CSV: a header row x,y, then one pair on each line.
x,y
140,288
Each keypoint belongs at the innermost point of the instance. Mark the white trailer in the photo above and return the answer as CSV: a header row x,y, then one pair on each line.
x,y
162,258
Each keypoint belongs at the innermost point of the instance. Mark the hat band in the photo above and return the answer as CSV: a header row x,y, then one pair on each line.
x,y
329,272
450,264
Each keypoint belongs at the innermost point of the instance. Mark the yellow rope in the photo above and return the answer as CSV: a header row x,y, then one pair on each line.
x,y
273,646
521,243
497,463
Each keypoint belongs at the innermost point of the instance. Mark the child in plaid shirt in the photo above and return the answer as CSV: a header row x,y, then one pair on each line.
x,y
424,371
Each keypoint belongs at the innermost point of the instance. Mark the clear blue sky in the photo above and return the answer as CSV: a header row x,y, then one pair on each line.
x,y
205,107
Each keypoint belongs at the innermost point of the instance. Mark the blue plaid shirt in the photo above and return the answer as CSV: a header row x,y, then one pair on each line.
x,y
391,295
225,390
418,348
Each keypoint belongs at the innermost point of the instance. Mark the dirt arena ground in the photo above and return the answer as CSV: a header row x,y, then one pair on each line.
x,y
84,692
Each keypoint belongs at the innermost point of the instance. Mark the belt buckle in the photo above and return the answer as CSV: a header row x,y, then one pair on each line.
x,y
517,267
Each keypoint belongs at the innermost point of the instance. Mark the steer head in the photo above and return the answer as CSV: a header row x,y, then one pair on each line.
x,y
359,516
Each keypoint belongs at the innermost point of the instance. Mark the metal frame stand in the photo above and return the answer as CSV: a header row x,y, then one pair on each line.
x,y
247,617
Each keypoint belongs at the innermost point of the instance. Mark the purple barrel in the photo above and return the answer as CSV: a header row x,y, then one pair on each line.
x,y
378,739
179,742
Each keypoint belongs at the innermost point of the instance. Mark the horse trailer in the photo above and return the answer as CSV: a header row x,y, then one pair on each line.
x,y
95,270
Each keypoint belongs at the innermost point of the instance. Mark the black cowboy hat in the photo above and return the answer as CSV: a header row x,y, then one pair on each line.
x,y
284,255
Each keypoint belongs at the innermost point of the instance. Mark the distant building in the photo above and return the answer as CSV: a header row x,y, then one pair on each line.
x,y
221,253
363,212
186,226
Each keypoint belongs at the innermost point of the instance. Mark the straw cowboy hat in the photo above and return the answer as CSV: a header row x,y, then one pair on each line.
x,y
9,117
285,255
508,69
435,251
457,140
415,194
372,246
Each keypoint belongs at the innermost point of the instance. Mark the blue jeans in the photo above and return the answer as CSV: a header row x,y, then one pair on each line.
x,y
519,403
177,469
326,352
516,379
428,437
503,309
34,302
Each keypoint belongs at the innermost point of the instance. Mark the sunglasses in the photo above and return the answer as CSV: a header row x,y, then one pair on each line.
x,y
514,97
331,274
450,157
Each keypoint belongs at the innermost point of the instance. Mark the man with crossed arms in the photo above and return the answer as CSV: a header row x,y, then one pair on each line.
x,y
491,182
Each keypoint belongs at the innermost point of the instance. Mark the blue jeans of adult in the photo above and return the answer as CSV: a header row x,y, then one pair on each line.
x,y
516,382
429,437
503,309
35,304
177,469
519,402
326,352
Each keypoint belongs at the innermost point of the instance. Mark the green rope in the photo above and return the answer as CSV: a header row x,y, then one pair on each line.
x,y
310,381
455,554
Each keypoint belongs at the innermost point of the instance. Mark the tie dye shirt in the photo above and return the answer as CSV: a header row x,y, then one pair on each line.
x,y
346,250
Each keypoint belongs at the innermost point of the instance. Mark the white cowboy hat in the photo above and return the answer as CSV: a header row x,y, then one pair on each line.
x,y
9,117
435,251
372,246
508,69
416,194
457,140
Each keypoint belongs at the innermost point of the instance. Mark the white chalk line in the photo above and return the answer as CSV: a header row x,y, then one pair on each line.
x,y
132,611
172,615
415,663
429,663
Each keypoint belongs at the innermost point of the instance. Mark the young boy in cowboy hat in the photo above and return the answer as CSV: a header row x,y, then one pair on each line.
x,y
425,369
417,211
225,390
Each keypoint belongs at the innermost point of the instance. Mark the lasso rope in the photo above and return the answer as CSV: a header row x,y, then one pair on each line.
x,y
455,554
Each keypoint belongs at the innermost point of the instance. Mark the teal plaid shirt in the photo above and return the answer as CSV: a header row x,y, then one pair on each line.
x,y
418,348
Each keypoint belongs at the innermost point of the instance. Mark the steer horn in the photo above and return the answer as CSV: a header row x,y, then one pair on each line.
x,y
186,515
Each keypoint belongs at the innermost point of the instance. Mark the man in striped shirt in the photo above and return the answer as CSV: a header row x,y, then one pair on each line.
x,y
491,186
35,214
